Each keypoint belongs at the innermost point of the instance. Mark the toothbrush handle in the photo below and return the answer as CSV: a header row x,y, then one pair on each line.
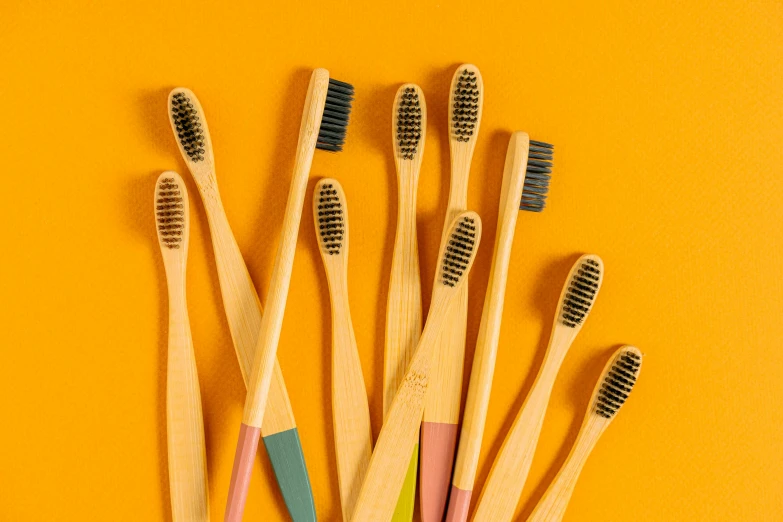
x,y
350,409
500,495
184,422
552,506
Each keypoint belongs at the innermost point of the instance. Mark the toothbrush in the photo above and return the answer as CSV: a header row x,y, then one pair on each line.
x,y
403,310
243,308
441,413
526,178
500,495
350,410
390,460
324,123
184,420
616,382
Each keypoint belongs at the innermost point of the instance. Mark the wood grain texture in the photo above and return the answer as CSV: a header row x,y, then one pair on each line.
x,y
552,506
403,308
272,321
184,419
240,300
500,495
243,309
489,331
449,350
350,408
391,457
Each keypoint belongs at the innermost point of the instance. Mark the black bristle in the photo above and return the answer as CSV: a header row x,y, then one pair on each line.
x,y
465,106
331,222
459,251
334,123
537,176
408,123
170,213
580,293
618,383
188,126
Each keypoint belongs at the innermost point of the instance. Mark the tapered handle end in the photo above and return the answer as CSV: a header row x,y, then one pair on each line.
x,y
247,446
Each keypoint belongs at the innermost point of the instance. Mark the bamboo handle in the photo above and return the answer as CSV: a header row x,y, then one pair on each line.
x,y
272,321
500,495
485,355
243,311
391,457
350,409
552,506
184,419
403,311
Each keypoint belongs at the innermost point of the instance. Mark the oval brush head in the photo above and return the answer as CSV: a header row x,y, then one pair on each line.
x,y
580,292
537,175
410,121
617,382
460,249
465,103
171,211
190,126
334,122
330,217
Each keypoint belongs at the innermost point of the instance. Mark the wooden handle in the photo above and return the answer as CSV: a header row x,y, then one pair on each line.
x,y
272,321
244,312
552,506
400,432
403,310
184,421
500,495
489,331
350,409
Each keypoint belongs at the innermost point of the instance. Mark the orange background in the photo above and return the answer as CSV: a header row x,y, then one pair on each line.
x,y
667,121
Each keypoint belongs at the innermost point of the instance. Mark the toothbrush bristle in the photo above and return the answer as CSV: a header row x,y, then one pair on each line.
x,y
334,122
581,292
170,213
537,176
459,251
465,107
188,125
331,222
408,123
618,383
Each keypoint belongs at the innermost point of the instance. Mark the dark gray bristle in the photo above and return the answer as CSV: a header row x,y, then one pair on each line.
x,y
465,106
537,176
334,123
618,383
409,123
459,250
331,223
580,293
190,132
170,213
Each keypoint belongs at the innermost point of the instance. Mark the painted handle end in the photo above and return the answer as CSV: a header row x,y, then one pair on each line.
x,y
247,446
459,505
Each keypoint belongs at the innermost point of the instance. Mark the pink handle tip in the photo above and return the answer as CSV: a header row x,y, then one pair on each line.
x,y
247,446
459,505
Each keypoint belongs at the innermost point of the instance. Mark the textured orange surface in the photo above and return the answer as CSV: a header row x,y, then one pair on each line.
x,y
667,121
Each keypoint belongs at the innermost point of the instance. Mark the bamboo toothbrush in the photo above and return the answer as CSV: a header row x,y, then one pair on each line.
x,y
403,309
525,184
611,391
501,493
324,123
243,308
350,410
441,413
390,460
184,421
